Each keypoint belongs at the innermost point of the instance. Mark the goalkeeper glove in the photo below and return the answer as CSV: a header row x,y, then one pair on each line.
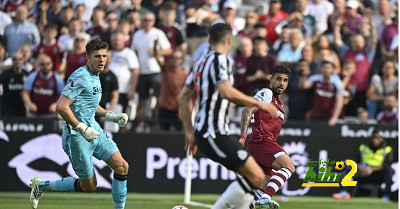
x,y
120,118
89,133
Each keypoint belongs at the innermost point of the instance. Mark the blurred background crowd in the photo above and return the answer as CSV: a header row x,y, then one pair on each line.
x,y
343,55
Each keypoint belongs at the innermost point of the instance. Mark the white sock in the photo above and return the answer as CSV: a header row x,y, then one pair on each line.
x,y
233,197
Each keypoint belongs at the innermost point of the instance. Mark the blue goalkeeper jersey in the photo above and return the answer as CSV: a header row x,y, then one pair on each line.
x,y
84,89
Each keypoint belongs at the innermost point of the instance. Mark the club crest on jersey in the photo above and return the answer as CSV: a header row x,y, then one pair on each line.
x,y
73,83
97,90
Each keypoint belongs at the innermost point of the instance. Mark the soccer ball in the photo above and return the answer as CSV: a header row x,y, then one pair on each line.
x,y
180,207
339,166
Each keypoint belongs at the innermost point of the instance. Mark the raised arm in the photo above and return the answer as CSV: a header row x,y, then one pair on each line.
x,y
227,91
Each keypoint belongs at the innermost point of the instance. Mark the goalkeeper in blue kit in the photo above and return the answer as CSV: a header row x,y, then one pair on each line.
x,y
82,136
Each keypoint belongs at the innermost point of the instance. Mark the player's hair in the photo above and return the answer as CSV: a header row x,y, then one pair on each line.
x,y
219,32
326,62
94,45
281,69
50,26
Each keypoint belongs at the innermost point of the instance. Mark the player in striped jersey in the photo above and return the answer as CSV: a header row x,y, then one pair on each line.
x,y
211,79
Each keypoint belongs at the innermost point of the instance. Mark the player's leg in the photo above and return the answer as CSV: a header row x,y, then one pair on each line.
x,y
284,169
227,151
79,152
109,153
119,189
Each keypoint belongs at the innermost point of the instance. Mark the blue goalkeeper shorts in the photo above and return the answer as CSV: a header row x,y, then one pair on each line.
x,y
80,151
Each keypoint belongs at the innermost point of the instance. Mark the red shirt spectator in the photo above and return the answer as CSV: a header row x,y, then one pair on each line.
x,y
274,16
49,45
9,6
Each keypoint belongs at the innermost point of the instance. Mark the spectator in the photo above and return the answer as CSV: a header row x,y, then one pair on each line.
x,y
109,87
389,114
260,30
229,17
251,20
5,19
373,165
67,14
125,66
136,5
172,30
42,89
112,26
124,27
50,14
323,44
388,33
27,56
150,77
154,5
320,10
13,83
76,57
49,45
134,20
259,66
308,20
66,41
97,23
292,53
300,100
382,18
10,6
173,80
353,18
384,84
21,31
308,55
328,94
362,54
349,85
283,41
80,14
88,9
244,52
198,19
363,117
274,16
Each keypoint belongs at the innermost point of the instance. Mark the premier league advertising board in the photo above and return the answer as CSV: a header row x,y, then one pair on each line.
x,y
158,162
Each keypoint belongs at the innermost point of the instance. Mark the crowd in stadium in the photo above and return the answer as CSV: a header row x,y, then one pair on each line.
x,y
343,55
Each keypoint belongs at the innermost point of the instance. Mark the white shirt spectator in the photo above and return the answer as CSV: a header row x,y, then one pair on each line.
x,y
142,43
66,41
321,13
5,20
89,6
121,65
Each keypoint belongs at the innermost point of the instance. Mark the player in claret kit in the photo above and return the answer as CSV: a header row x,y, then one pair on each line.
x,y
82,136
262,144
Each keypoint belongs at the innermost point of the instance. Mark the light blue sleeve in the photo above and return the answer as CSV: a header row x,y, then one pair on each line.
x,y
75,85
264,95
29,81
339,85
314,78
60,84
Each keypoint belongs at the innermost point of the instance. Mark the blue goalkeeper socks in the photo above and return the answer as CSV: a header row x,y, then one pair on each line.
x,y
63,185
119,190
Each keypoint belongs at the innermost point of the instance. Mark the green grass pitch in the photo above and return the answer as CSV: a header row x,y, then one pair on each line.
x,y
54,200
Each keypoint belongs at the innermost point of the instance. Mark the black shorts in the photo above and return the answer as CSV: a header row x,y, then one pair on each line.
x,y
147,82
224,149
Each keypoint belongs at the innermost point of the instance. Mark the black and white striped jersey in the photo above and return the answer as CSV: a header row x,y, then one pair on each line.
x,y
212,116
